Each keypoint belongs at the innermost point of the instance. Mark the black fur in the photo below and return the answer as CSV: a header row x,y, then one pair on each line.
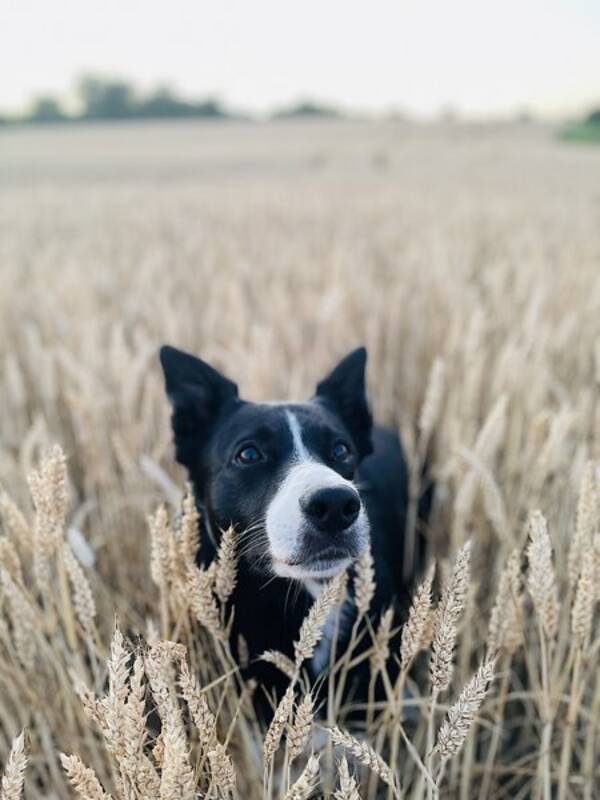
x,y
210,422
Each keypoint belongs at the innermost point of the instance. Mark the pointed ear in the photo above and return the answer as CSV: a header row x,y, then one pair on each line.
x,y
198,394
343,390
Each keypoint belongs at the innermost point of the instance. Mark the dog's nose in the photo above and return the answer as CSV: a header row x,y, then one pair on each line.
x,y
332,509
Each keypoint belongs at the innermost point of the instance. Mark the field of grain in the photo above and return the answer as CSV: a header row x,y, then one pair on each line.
x,y
467,259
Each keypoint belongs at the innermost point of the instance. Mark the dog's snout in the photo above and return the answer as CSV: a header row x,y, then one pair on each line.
x,y
332,509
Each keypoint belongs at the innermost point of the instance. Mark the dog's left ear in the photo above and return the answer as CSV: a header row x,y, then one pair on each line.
x,y
198,394
344,391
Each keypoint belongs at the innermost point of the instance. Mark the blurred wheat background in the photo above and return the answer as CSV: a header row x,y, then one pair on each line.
x,y
467,259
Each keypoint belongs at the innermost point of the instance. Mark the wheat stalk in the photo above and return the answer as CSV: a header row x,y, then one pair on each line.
x,y
364,753
541,579
381,644
364,581
177,779
505,630
24,624
306,783
446,626
311,629
134,721
281,661
226,570
298,734
278,724
114,705
461,715
348,788
223,771
15,523
83,779
414,630
204,719
189,532
14,771
587,514
202,601
83,599
430,410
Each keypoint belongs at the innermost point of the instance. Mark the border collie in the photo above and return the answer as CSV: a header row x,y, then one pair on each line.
x,y
307,486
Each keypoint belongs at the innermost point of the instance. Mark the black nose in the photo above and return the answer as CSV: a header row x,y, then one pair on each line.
x,y
332,509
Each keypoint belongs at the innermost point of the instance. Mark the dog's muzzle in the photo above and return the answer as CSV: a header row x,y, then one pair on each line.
x,y
316,523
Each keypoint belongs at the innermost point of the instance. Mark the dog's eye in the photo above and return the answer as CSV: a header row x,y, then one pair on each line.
x,y
340,451
248,454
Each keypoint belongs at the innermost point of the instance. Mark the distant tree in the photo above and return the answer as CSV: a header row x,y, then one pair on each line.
x,y
209,108
593,118
105,99
46,109
162,103
307,109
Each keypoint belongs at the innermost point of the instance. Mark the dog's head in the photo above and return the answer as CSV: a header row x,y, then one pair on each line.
x,y
282,474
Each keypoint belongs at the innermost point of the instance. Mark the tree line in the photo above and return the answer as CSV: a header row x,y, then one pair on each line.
x,y
99,98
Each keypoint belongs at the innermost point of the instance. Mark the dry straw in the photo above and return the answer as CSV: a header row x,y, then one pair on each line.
x,y
461,715
364,581
312,626
83,599
381,643
447,618
281,661
202,601
15,523
83,779
414,632
278,724
586,522
223,771
348,787
14,770
225,575
307,782
430,410
583,605
177,780
23,620
364,753
541,579
189,532
499,389
204,719
299,732
505,630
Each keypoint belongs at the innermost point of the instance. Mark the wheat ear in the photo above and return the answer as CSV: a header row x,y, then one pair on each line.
x,y
14,772
83,779
363,753
348,788
307,782
461,715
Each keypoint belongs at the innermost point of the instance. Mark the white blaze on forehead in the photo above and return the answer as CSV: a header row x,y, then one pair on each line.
x,y
300,451
285,519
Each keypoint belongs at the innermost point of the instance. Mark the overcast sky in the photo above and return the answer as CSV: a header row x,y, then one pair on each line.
x,y
477,56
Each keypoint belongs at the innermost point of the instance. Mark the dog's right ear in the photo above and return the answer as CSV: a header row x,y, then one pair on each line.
x,y
198,394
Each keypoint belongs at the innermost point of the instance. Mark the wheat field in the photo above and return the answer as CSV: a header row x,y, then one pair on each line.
x,y
467,260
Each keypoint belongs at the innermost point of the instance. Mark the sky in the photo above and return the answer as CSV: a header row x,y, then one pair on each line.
x,y
477,57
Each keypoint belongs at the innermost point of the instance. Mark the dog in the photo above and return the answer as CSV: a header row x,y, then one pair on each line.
x,y
307,487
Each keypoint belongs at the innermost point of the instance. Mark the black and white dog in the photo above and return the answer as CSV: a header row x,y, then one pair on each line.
x,y
306,485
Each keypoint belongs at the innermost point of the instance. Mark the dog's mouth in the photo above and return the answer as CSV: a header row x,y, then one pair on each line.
x,y
327,562
327,555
